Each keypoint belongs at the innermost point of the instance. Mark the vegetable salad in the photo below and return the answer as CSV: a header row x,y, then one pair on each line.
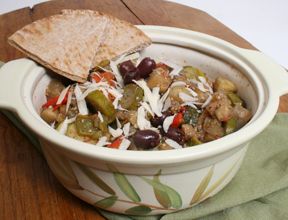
x,y
137,103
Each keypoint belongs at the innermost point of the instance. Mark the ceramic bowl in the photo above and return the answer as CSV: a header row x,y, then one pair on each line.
x,y
153,182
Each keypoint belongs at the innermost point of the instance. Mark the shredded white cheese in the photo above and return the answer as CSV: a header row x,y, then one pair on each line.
x,y
64,125
192,92
167,104
142,122
147,108
205,83
102,142
176,68
100,116
186,98
177,83
126,129
118,123
115,103
125,143
62,95
173,144
69,99
82,107
192,104
115,132
201,87
167,122
152,97
120,58
207,101
116,72
132,56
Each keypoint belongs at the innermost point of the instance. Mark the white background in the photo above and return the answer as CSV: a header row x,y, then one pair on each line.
x,y
264,23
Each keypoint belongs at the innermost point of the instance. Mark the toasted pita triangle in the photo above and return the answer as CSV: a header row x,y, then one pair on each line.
x,y
121,38
65,43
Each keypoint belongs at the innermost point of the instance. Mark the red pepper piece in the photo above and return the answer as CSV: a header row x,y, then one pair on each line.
x,y
64,101
109,77
116,143
50,102
178,120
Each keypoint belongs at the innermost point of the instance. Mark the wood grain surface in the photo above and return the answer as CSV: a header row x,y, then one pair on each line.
x,y
28,190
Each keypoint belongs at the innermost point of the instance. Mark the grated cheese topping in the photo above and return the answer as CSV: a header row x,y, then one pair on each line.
x,y
102,142
82,107
167,122
173,144
142,122
62,95
125,143
126,129
115,132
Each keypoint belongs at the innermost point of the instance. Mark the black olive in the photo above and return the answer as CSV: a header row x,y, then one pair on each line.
x,y
175,134
146,139
130,76
126,67
146,67
157,121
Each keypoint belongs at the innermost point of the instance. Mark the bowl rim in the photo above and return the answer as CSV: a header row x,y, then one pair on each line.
x,y
260,120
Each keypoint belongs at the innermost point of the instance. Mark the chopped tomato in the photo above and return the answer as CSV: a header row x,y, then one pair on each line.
x,y
116,143
107,76
178,120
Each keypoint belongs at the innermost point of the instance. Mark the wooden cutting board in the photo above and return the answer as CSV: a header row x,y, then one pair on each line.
x,y
28,190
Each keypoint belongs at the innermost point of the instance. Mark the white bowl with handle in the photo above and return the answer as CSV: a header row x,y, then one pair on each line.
x,y
153,182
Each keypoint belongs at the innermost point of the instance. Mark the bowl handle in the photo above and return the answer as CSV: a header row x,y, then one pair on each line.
x,y
273,72
11,77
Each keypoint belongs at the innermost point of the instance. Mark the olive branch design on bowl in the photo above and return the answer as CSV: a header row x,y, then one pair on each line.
x,y
168,198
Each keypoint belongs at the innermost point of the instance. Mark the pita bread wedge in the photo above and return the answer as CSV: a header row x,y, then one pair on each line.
x,y
121,38
65,43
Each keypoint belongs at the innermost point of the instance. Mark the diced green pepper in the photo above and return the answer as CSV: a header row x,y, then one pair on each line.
x,y
99,102
191,72
230,126
103,63
194,141
235,99
85,125
132,96
72,132
190,116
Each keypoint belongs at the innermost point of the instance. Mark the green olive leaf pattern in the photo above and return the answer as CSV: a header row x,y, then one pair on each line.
x,y
106,202
175,198
218,182
138,210
96,179
61,169
161,196
124,184
202,186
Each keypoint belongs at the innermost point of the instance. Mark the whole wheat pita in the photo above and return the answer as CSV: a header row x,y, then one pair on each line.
x,y
73,42
65,43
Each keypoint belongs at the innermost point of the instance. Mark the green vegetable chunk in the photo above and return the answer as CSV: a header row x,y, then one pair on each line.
x,y
99,102
230,126
191,72
235,99
190,116
193,141
132,96
86,127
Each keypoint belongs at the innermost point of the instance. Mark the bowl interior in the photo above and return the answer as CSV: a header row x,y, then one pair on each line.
x,y
182,56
